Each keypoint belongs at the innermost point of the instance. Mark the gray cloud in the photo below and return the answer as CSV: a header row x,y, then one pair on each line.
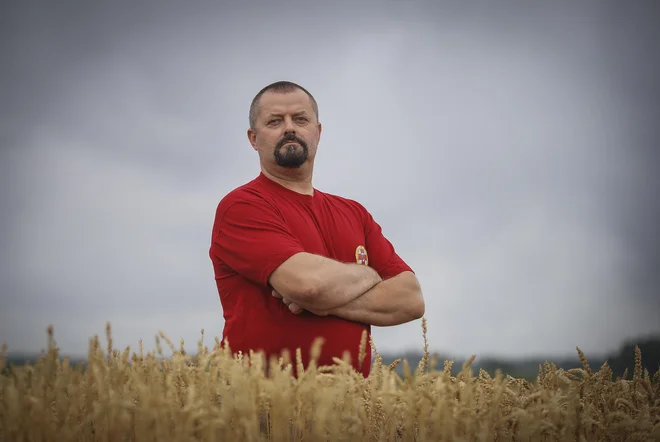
x,y
508,153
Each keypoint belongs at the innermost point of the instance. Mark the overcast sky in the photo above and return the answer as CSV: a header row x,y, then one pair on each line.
x,y
510,154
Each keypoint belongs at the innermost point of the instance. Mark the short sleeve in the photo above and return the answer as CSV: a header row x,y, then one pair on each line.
x,y
382,256
252,239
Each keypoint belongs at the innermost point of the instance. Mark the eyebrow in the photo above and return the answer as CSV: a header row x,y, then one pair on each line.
x,y
277,114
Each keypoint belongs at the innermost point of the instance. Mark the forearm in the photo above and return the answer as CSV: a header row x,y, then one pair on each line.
x,y
318,283
392,302
339,284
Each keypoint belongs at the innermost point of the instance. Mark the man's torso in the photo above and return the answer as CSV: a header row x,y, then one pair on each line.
x,y
325,225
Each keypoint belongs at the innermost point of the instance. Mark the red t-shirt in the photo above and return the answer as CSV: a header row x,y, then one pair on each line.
x,y
260,225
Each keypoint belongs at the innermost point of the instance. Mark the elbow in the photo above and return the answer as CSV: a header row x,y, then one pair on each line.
x,y
421,310
417,307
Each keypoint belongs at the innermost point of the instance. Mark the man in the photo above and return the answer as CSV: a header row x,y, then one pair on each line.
x,y
293,263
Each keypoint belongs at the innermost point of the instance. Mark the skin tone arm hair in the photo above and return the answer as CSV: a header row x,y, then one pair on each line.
x,y
394,301
318,283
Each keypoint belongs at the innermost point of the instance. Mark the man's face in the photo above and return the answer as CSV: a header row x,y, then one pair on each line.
x,y
286,130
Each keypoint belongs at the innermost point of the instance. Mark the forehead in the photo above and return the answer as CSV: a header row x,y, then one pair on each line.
x,y
288,102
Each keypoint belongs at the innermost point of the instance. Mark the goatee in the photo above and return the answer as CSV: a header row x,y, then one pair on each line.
x,y
292,156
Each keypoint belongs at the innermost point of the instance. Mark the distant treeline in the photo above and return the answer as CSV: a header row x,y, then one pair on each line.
x,y
619,362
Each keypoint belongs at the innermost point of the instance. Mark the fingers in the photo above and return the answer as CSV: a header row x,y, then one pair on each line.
x,y
295,308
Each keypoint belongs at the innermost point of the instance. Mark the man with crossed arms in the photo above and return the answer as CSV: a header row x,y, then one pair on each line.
x,y
293,263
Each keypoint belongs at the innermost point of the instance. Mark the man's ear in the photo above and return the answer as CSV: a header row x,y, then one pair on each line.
x,y
252,138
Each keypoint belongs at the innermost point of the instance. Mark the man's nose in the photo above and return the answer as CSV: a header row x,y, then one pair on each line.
x,y
288,126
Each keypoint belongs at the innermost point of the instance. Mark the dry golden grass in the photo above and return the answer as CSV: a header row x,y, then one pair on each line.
x,y
211,396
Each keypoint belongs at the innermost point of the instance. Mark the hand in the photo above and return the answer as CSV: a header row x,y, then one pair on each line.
x,y
293,307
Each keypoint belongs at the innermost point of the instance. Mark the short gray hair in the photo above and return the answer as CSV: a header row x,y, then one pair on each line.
x,y
279,87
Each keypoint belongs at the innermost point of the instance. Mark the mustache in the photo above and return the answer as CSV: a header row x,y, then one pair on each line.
x,y
290,138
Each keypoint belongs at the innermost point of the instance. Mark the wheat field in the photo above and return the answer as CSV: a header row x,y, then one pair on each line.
x,y
214,396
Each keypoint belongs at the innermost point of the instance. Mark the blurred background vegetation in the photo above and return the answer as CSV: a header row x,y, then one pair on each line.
x,y
527,369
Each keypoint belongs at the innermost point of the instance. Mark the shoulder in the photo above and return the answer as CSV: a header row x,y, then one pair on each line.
x,y
244,198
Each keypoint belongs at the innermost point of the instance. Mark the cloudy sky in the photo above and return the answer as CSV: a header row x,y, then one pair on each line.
x,y
509,153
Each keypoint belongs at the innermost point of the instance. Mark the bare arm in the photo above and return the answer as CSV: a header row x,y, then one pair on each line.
x,y
317,283
392,302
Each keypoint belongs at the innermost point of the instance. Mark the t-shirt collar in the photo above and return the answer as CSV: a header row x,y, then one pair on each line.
x,y
284,190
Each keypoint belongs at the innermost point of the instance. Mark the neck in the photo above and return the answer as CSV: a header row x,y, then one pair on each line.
x,y
298,180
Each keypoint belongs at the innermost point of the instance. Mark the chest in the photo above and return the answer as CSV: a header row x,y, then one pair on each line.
x,y
332,230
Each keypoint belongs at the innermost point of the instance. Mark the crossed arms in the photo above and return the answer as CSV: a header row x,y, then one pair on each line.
x,y
350,291
254,240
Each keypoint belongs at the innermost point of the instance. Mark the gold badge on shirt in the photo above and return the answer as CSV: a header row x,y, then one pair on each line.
x,y
361,256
